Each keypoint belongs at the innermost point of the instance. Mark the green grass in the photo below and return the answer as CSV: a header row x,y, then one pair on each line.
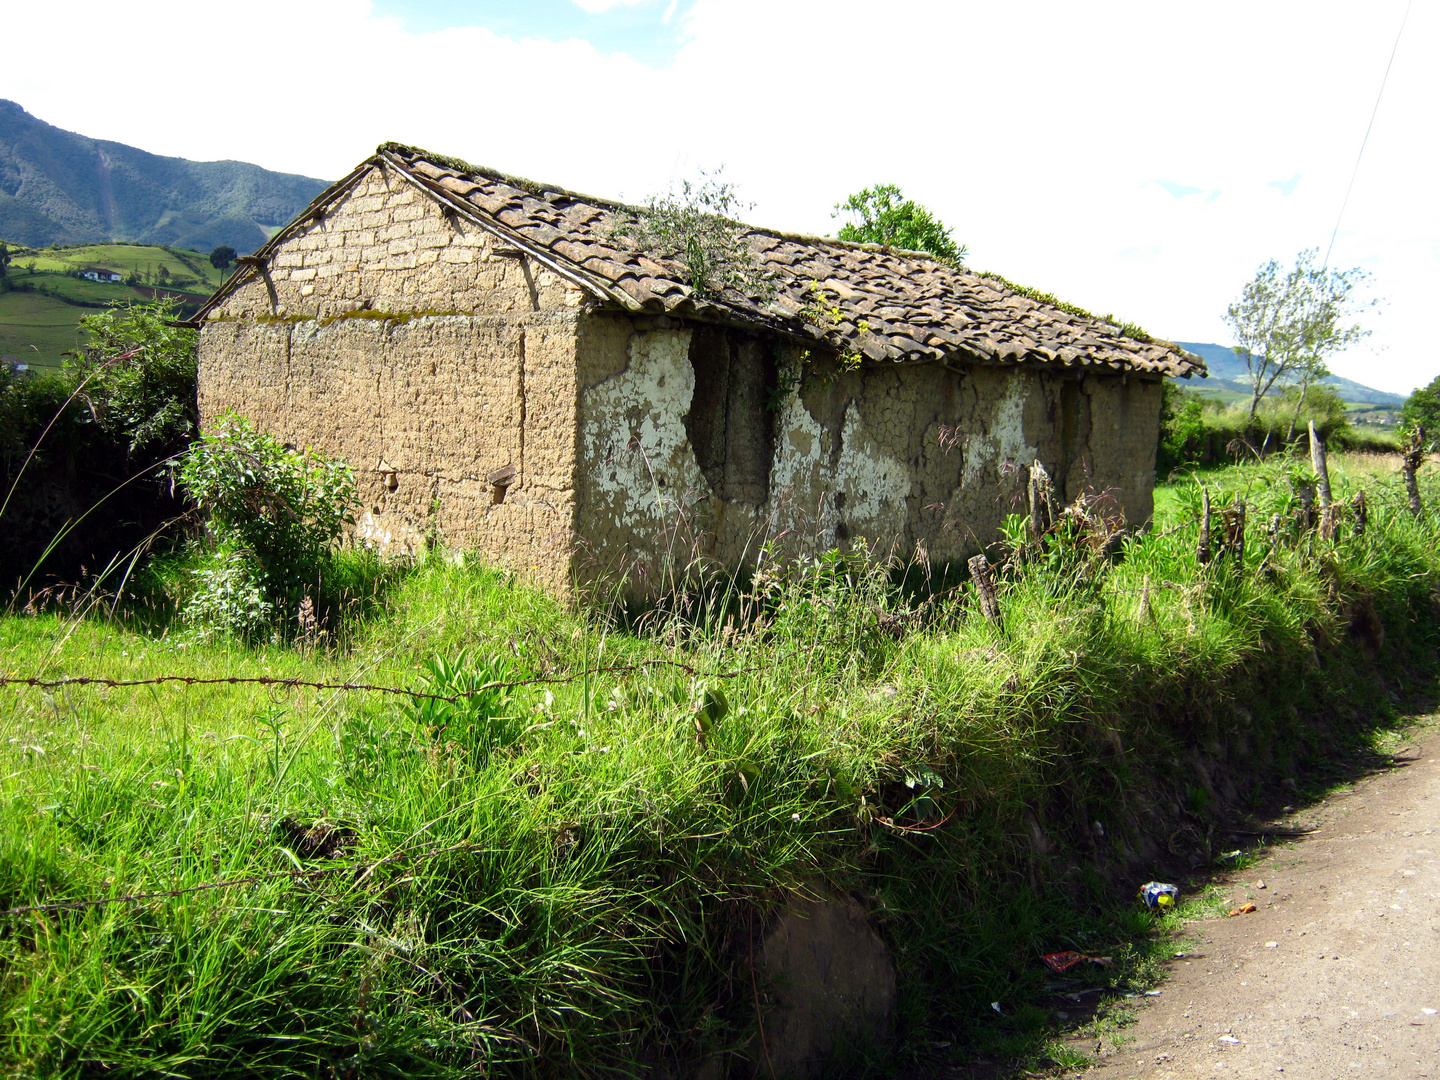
x,y
564,881
38,329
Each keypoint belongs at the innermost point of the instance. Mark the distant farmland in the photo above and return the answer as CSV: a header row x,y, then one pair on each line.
x,y
41,309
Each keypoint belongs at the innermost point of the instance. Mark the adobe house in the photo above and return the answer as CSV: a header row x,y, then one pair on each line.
x,y
505,372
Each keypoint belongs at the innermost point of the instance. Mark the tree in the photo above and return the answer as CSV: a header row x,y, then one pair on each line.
x,y
1288,324
1422,409
884,216
222,257
4,260
138,372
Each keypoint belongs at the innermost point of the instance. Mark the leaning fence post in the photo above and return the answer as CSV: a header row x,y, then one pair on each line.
x,y
1202,547
985,588
1410,464
1322,470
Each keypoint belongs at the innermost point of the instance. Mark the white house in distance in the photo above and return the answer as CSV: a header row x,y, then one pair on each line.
x,y
96,273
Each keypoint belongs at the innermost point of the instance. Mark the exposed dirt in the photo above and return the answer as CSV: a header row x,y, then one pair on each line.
x,y
1337,972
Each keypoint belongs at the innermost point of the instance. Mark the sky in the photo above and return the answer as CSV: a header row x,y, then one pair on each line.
x,y
1136,158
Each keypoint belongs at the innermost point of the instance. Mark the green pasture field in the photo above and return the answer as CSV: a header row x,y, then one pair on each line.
x,y
38,329
564,872
37,313
123,258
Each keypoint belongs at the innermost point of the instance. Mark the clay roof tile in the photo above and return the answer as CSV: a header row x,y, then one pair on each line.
x,y
916,307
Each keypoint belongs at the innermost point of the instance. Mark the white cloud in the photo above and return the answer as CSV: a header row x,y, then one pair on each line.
x,y
1041,131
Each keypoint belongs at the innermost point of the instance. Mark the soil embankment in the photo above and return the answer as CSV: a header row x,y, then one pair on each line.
x,y
1337,972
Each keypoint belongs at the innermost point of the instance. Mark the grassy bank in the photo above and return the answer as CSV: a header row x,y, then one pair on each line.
x,y
566,874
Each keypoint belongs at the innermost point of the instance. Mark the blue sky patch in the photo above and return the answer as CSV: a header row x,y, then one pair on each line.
x,y
1285,187
649,32
1170,187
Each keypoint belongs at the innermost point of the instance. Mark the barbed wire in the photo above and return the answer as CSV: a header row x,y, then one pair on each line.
x,y
420,695
252,879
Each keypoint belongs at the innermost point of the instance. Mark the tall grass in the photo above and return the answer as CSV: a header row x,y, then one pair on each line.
x,y
568,877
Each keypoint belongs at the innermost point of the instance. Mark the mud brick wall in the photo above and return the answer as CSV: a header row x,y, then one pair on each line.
x,y
409,343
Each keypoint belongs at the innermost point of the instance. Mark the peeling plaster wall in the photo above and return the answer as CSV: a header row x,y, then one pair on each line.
x,y
905,457
399,339
642,498
932,459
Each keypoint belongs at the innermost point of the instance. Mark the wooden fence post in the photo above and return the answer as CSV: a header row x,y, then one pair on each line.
x,y
1041,493
1232,542
1305,489
985,588
1322,470
1410,461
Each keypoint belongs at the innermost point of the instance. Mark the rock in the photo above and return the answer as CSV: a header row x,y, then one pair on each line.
x,y
833,981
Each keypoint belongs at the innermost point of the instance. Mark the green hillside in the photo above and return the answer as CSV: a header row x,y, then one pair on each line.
x,y
60,187
42,298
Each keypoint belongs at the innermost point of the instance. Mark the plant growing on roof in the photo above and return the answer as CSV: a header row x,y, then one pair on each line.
x,y
697,225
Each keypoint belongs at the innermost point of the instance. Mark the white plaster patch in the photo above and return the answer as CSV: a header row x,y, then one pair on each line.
x,y
1003,439
800,449
875,485
387,534
636,451
803,483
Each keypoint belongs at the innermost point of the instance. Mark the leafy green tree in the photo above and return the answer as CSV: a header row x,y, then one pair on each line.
x,y
222,257
884,216
4,260
1288,323
137,376
1422,409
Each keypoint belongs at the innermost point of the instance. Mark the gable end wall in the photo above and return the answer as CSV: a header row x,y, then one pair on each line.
x,y
397,337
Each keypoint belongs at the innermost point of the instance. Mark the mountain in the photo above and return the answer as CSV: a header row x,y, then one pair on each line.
x,y
57,187
1227,372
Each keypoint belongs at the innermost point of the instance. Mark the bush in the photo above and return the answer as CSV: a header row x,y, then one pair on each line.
x,y
91,436
1197,430
1182,428
273,518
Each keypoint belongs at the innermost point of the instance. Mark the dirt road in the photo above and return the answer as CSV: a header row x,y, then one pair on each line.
x,y
1337,972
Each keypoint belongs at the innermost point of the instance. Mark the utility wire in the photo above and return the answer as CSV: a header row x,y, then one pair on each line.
x,y
1355,171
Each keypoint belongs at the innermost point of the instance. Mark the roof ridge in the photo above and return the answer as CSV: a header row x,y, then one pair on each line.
x,y
536,187
1038,296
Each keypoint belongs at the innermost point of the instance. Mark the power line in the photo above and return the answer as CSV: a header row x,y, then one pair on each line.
x,y
1355,171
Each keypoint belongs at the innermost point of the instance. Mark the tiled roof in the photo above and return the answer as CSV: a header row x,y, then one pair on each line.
x,y
883,303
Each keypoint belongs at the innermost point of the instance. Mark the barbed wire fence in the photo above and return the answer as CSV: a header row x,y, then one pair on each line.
x,y
284,683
